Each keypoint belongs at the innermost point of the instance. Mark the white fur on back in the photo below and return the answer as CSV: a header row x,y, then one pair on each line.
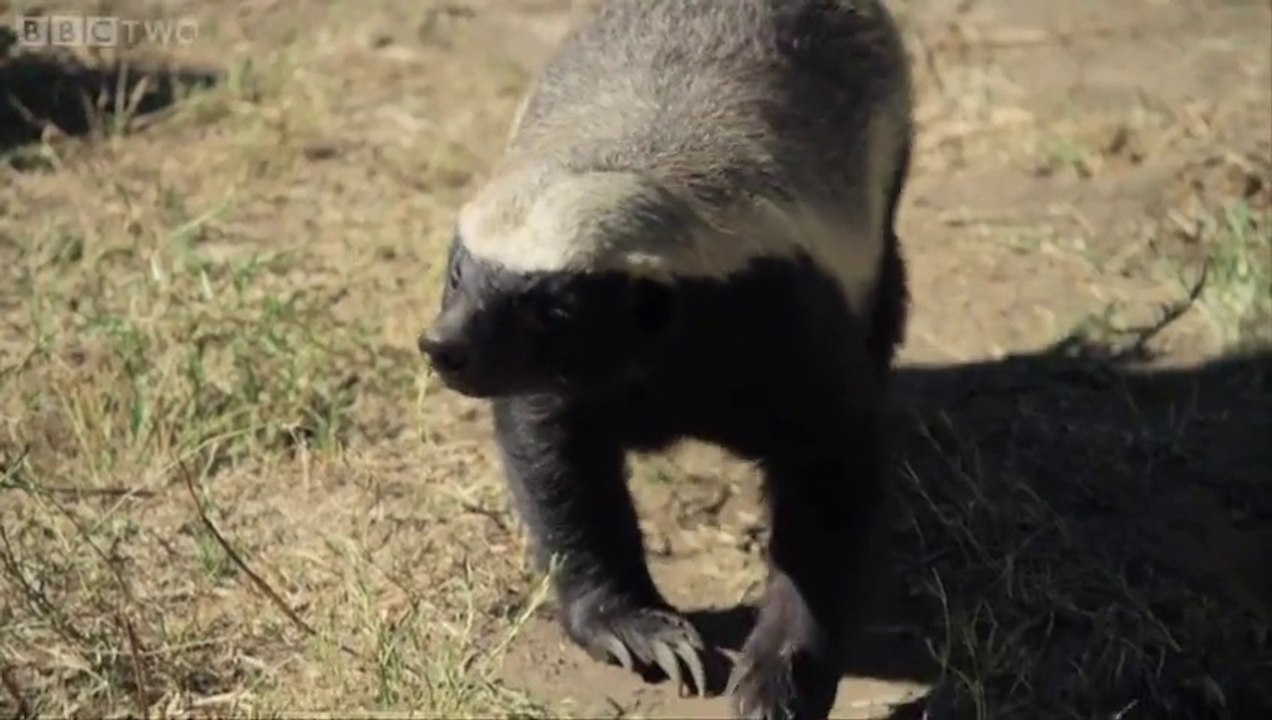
x,y
531,220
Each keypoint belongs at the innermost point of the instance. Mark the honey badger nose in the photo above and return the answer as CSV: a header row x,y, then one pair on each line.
x,y
447,354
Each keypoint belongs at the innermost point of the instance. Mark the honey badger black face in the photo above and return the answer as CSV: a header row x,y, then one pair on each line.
x,y
501,333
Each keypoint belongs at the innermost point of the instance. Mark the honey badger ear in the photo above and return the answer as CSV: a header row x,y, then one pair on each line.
x,y
653,306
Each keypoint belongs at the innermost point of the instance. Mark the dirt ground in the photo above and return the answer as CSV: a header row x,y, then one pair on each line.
x,y
229,488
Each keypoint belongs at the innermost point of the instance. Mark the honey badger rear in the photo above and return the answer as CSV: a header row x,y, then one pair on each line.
x,y
691,236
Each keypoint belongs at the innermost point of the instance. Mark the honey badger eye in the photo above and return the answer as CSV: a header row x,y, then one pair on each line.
x,y
545,310
551,311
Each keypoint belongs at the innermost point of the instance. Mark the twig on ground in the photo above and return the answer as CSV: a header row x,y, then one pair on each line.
x,y
96,492
136,650
238,561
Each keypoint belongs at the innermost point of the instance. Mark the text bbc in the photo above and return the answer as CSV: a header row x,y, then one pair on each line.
x,y
101,31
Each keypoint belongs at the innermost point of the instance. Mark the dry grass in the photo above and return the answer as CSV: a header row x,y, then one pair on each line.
x,y
227,486
192,302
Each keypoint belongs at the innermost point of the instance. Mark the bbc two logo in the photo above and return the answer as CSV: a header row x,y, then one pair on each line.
x,y
101,31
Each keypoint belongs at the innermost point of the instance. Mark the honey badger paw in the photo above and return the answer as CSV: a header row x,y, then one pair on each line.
x,y
778,678
647,641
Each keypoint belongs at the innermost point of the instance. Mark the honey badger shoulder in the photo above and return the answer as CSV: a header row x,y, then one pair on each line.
x,y
691,235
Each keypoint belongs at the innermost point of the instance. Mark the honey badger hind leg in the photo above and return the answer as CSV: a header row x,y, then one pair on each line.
x,y
567,480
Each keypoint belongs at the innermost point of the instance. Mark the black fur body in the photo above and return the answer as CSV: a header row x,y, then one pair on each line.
x,y
774,362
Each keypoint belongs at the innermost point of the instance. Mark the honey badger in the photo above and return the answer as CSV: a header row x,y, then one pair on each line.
x,y
691,235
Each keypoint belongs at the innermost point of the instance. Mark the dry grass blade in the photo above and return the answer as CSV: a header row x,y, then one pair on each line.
x,y
136,653
257,581
114,492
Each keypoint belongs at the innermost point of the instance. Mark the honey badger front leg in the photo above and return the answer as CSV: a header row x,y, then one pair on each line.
x,y
567,479
824,485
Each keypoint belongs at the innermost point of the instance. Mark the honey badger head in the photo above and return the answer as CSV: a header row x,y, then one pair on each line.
x,y
564,282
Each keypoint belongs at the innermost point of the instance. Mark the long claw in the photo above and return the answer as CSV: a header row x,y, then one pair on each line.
x,y
692,638
694,662
748,711
648,638
619,651
667,661
731,686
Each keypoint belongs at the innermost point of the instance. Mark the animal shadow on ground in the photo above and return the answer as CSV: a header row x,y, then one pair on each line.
x,y
1072,537
42,89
